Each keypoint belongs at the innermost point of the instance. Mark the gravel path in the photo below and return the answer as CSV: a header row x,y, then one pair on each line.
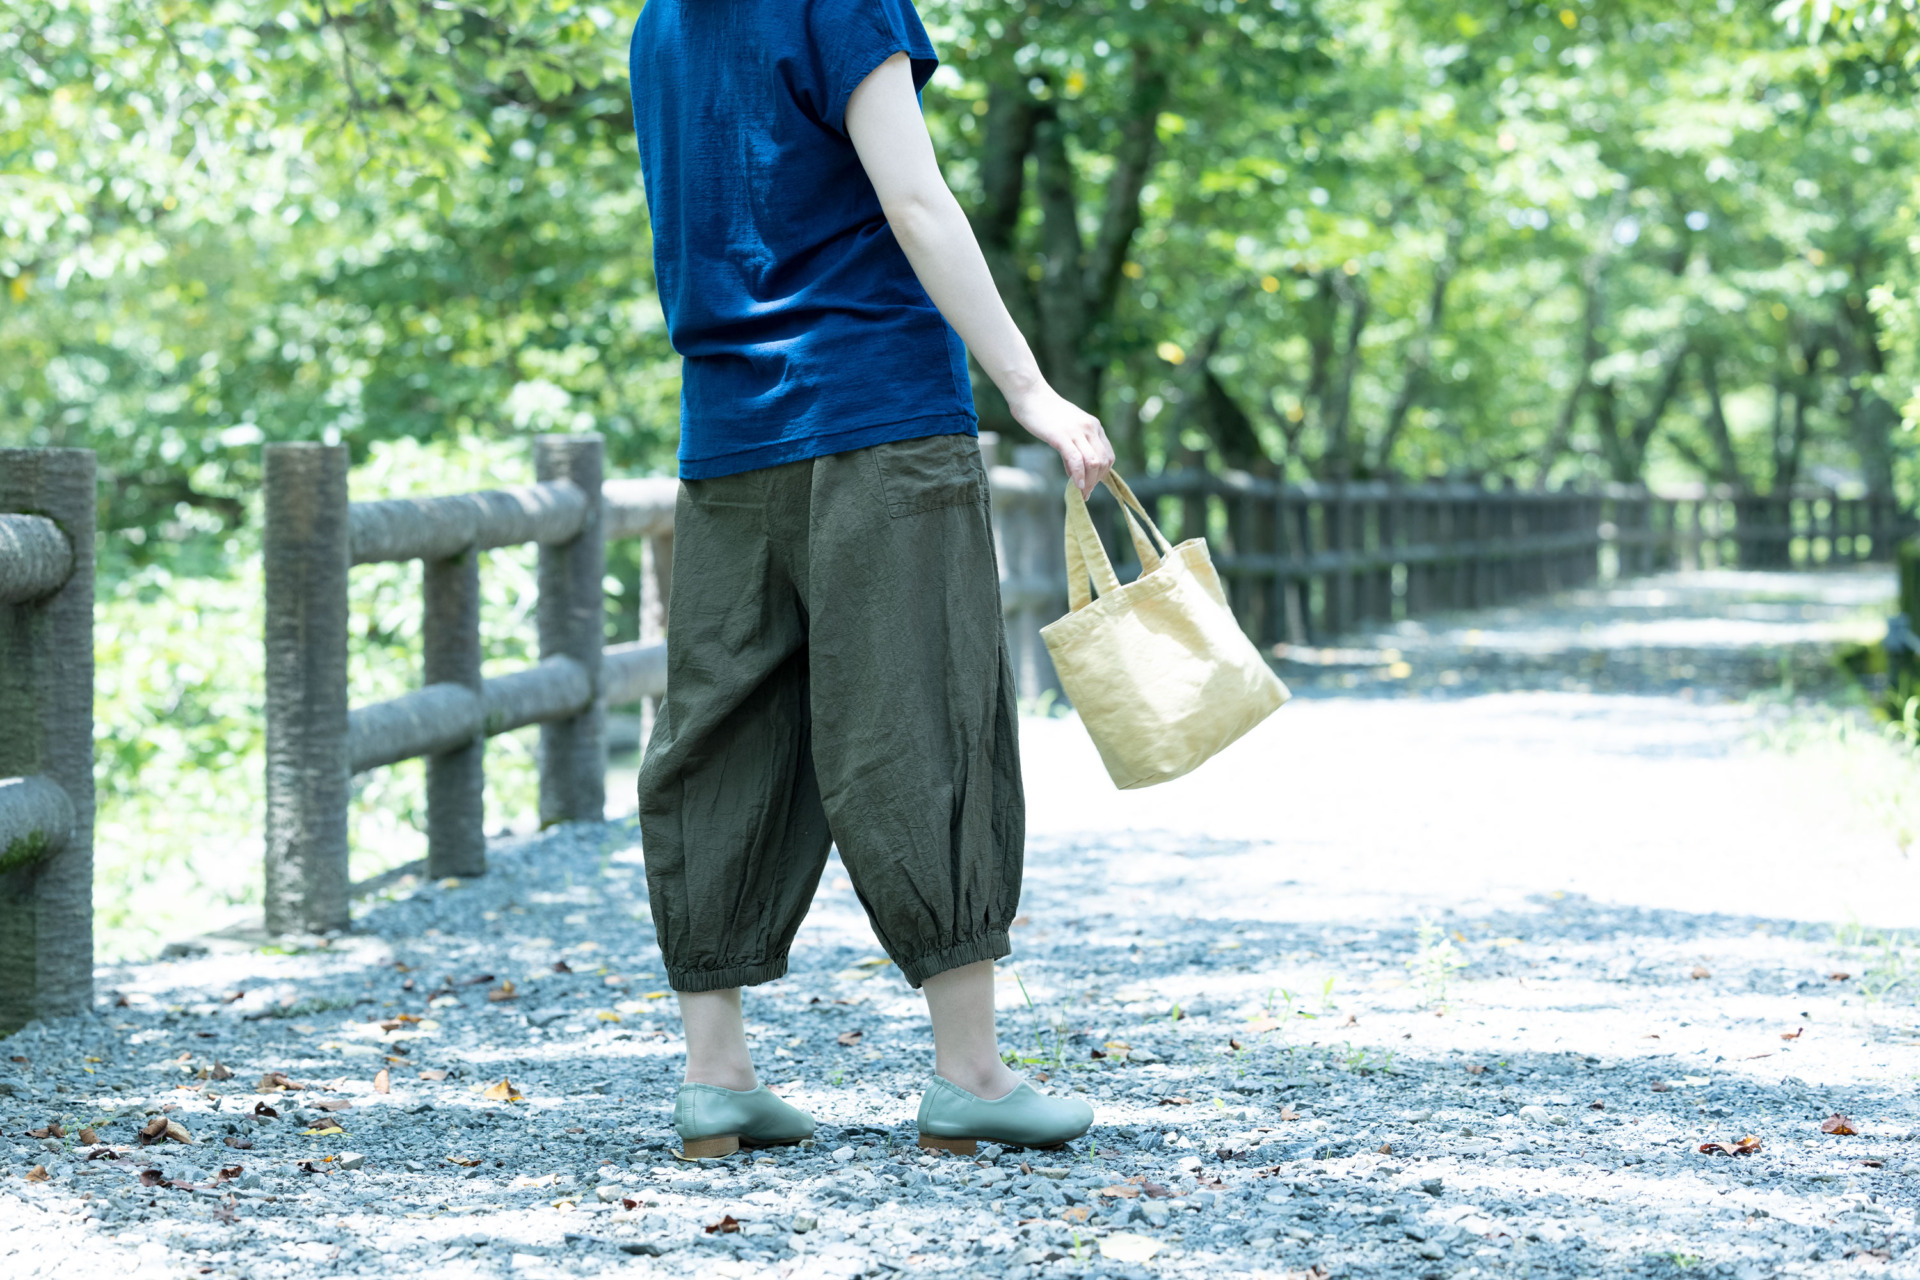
x,y
1448,980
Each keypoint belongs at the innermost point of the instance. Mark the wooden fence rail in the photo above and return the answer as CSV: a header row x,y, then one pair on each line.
x,y
46,733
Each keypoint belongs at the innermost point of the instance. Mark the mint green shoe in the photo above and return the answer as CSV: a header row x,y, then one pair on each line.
x,y
951,1119
713,1121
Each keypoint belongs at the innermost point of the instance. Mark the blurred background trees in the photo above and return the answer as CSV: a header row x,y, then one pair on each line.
x,y
1578,241
1611,240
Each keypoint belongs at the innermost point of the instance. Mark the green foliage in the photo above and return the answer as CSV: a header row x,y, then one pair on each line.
x,y
1434,962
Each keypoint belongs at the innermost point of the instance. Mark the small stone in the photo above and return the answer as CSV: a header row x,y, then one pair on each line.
x,y
842,1154
1534,1114
1433,1252
1433,1186
803,1223
351,1160
609,1193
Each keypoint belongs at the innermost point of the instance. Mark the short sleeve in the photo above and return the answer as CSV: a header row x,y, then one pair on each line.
x,y
852,37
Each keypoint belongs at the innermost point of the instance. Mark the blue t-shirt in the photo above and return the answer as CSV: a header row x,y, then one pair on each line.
x,y
802,327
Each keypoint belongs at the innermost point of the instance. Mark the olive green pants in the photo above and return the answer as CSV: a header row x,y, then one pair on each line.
x,y
837,675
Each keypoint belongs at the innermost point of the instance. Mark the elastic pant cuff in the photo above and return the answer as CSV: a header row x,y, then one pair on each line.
x,y
992,945
739,975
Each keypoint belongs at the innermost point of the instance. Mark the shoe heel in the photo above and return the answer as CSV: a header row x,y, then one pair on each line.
x,y
711,1148
958,1146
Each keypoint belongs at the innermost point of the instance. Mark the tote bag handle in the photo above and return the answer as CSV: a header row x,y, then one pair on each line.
x,y
1087,556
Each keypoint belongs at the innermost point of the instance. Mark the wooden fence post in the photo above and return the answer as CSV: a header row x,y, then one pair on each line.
x,y
572,612
46,746
1040,558
307,557
656,589
456,779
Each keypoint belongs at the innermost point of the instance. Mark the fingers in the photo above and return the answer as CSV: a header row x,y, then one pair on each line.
x,y
1099,453
1076,464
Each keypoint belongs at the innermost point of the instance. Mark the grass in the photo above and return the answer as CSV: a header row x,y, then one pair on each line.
x,y
1886,962
1434,962
1876,762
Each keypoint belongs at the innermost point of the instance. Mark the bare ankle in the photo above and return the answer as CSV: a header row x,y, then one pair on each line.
x,y
724,1077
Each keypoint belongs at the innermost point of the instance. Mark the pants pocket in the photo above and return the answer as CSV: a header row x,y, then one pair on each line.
x,y
930,473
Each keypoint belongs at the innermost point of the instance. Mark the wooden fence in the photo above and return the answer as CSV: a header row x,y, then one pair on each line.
x,y
46,733
1307,562
1303,564
316,741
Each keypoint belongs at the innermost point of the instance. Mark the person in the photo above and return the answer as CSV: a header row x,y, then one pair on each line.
x,y
837,668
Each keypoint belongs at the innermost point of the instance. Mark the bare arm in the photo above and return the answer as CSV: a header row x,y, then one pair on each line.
x,y
884,121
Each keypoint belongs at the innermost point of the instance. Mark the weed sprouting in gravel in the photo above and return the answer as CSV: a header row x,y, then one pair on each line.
x,y
1887,960
1434,962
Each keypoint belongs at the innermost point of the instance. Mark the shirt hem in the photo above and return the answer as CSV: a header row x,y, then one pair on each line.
x,y
957,422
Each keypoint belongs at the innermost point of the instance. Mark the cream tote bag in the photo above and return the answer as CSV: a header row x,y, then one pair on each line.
x,y
1159,670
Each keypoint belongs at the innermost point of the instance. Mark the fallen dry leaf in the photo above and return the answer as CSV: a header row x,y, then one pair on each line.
x,y
502,992
1175,1100
1235,1045
155,1130
465,1162
277,1082
38,1173
1076,1213
1793,1034
433,1074
526,1180
1745,1147
224,1212
1385,1149
327,1130
629,1203
229,1173
331,1104
561,966
89,1138
851,1038
1661,1086
727,1226
1475,1069
1700,971
103,1153
1838,1125
150,1177
1838,977
1596,1105
476,980
221,1071
1155,1191
1353,1020
50,1131
262,1109
502,1092
382,1082
1121,1190
1288,1113
1260,1026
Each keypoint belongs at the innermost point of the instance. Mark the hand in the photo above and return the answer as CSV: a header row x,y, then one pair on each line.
x,y
1070,431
